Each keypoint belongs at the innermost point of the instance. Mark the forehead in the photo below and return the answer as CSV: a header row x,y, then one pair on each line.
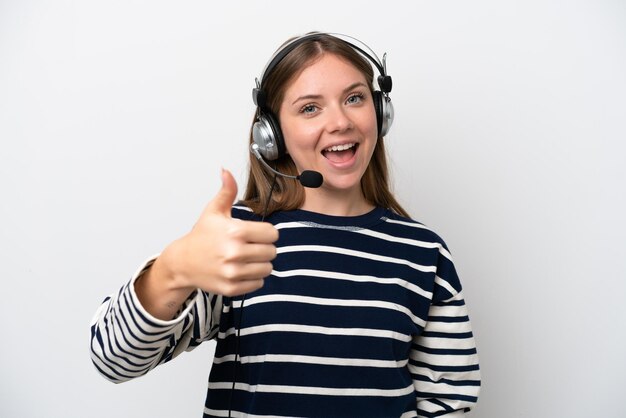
x,y
326,72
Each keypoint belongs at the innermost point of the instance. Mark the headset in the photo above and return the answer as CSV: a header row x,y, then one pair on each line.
x,y
267,136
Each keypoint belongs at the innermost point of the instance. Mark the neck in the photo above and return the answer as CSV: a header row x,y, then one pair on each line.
x,y
336,203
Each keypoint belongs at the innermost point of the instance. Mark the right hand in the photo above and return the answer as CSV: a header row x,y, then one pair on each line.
x,y
222,255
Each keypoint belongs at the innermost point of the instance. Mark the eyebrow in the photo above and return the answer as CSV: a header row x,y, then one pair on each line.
x,y
317,96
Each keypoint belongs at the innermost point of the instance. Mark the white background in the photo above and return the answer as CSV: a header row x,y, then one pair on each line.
x,y
116,116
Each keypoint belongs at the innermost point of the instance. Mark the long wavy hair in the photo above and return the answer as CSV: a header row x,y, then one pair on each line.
x,y
287,193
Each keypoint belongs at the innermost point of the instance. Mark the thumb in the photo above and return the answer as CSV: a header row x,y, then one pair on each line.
x,y
225,197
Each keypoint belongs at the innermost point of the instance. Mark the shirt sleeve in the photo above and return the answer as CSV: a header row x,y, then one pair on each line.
x,y
443,360
127,342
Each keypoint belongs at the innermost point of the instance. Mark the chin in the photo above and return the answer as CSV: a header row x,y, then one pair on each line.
x,y
345,185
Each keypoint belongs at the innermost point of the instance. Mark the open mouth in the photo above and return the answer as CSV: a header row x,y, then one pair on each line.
x,y
340,153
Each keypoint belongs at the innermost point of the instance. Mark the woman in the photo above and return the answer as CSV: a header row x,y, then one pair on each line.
x,y
337,304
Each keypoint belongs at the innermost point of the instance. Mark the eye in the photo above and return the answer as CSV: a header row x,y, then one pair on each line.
x,y
308,109
355,98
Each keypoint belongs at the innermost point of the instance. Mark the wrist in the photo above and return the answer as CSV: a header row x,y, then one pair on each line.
x,y
159,292
170,270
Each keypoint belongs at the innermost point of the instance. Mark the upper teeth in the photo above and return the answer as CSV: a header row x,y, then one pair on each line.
x,y
340,147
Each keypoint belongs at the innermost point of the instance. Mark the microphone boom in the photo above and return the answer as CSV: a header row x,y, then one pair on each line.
x,y
308,178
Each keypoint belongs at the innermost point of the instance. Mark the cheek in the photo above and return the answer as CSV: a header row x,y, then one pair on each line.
x,y
365,121
373,124
299,136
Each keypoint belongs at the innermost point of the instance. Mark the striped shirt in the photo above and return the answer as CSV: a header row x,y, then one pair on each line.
x,y
361,316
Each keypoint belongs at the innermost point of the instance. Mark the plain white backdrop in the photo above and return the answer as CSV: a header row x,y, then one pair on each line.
x,y
116,117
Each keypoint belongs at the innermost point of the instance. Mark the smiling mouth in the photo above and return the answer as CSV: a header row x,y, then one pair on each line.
x,y
340,153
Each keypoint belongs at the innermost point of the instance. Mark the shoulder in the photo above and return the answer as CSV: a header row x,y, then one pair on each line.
x,y
404,227
447,280
240,211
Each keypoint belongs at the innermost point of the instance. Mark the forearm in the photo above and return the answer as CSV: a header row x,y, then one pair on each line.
x,y
127,341
444,361
160,291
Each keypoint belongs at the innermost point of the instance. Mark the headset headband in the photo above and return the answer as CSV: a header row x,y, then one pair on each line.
x,y
384,81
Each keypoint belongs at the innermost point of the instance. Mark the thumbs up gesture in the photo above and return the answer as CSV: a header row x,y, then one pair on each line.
x,y
220,255
224,255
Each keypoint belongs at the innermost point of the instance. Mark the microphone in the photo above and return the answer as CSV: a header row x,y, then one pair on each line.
x,y
308,178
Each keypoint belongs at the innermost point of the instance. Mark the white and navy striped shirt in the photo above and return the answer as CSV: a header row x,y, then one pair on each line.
x,y
361,316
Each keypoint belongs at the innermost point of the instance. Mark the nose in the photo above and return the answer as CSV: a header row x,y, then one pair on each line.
x,y
338,119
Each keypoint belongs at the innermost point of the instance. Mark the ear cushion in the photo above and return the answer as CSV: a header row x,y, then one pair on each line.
x,y
378,107
384,113
267,135
278,135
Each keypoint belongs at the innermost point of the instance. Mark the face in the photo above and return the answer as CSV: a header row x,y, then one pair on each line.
x,y
329,123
